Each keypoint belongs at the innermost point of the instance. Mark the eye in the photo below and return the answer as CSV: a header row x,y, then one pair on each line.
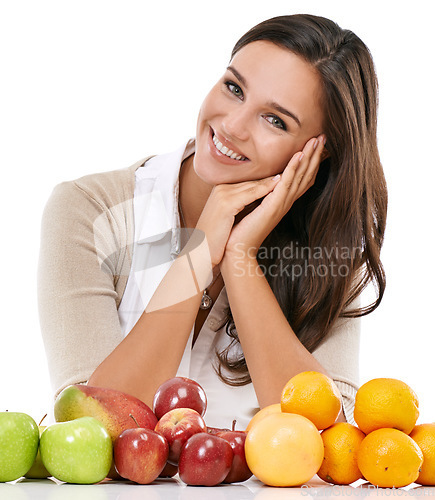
x,y
234,89
276,122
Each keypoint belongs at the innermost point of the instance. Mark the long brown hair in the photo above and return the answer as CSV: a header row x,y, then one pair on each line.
x,y
339,223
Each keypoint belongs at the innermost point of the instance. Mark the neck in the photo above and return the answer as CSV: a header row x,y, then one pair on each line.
x,y
194,193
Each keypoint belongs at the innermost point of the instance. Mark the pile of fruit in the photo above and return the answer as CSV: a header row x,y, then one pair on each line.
x,y
288,443
106,433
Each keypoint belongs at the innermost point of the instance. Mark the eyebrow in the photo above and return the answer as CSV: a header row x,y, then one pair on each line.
x,y
272,104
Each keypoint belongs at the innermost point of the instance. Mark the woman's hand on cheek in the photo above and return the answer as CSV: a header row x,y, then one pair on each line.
x,y
298,176
225,202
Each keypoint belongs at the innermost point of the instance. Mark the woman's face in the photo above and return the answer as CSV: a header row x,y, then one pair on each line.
x,y
264,109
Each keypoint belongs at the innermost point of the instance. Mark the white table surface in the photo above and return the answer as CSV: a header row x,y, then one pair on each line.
x,y
174,489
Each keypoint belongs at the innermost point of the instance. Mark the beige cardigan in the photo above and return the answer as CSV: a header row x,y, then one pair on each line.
x,y
81,283
75,298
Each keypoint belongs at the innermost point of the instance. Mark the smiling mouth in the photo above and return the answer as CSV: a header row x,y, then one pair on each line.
x,y
227,152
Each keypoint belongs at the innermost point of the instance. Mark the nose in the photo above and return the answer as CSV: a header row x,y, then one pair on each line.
x,y
235,124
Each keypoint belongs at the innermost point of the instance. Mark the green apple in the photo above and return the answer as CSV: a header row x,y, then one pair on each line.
x,y
19,439
78,451
38,470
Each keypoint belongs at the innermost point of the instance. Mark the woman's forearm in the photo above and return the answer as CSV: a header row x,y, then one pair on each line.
x,y
272,351
153,349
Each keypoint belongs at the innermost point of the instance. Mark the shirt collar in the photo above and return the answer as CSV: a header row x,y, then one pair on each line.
x,y
158,182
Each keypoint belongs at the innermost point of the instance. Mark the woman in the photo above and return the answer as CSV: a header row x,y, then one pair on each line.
x,y
286,196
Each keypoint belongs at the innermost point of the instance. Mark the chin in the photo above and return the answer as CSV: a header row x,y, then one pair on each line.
x,y
203,173
213,174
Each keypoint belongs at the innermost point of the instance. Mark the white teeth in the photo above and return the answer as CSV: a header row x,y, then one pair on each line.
x,y
227,152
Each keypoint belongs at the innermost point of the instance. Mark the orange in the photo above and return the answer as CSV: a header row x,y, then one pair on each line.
x,y
284,449
389,458
341,442
313,395
267,410
424,436
386,402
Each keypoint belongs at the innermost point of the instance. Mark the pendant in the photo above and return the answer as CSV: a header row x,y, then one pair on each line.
x,y
206,301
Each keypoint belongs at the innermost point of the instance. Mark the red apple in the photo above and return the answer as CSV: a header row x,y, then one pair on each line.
x,y
169,470
205,460
179,392
215,430
239,468
177,426
140,455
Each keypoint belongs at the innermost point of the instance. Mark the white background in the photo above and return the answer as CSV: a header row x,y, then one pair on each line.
x,y
94,85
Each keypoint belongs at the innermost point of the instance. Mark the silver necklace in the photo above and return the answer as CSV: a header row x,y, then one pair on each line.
x,y
206,300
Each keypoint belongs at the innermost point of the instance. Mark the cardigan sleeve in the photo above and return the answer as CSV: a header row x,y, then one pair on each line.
x,y
83,256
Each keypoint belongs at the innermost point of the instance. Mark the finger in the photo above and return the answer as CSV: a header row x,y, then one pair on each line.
x,y
253,191
289,176
301,170
314,153
309,164
292,176
241,186
299,163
